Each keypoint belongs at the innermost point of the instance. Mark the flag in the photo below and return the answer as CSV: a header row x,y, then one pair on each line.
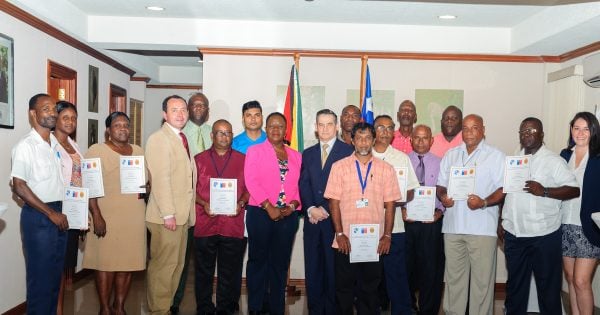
x,y
367,103
293,113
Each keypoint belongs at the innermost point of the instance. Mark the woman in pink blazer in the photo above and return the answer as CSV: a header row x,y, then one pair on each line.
x,y
271,173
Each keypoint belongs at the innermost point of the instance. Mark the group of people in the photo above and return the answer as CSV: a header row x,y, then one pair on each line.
x,y
349,177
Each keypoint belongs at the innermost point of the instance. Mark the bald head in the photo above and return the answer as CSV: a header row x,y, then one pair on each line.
x,y
421,139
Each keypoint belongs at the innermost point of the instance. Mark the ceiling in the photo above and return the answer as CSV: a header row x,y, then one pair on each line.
x,y
144,39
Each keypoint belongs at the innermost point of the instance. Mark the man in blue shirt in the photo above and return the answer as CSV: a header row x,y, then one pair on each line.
x,y
253,134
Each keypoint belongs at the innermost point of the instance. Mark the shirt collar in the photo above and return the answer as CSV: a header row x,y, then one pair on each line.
x,y
175,130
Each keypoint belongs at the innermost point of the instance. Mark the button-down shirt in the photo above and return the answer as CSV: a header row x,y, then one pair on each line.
x,y
526,215
432,170
197,135
343,185
242,142
401,142
489,176
398,159
440,145
570,209
38,164
211,165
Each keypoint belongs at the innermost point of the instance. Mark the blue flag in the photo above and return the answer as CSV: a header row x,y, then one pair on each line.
x,y
367,105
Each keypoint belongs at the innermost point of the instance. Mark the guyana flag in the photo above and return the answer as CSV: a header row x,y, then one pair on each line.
x,y
292,111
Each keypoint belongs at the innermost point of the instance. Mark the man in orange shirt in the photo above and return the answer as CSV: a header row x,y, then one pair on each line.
x,y
407,117
368,198
451,135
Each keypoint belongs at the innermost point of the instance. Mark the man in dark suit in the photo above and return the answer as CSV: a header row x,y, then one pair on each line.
x,y
318,230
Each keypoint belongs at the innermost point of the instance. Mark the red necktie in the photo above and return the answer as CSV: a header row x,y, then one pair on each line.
x,y
185,143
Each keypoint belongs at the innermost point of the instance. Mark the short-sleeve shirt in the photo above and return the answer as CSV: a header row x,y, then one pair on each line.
x,y
398,159
37,163
401,142
211,165
242,142
526,215
344,185
440,145
489,176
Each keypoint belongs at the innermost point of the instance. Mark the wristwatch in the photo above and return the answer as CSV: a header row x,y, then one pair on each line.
x,y
546,192
339,234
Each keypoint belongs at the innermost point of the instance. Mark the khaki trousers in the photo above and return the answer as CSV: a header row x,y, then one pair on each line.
x,y
167,256
470,262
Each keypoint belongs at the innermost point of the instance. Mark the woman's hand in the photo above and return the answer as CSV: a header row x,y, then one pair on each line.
x,y
99,225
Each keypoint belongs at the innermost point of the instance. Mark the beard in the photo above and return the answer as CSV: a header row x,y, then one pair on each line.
x,y
48,122
364,151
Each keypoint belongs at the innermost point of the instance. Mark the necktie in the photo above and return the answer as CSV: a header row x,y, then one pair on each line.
x,y
324,154
200,141
185,143
420,170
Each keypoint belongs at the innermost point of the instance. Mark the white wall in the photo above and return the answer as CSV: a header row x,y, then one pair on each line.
x,y
32,51
503,93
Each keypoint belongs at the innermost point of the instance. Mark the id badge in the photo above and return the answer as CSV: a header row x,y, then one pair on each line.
x,y
362,203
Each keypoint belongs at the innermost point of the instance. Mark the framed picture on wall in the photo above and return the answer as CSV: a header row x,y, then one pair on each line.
x,y
7,83
93,89
92,132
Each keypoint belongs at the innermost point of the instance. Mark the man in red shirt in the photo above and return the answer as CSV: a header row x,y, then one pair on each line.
x,y
407,117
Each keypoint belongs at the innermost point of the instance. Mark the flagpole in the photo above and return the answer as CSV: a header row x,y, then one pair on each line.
x,y
297,62
363,70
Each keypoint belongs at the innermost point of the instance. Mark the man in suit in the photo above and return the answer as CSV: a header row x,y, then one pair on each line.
x,y
170,208
318,231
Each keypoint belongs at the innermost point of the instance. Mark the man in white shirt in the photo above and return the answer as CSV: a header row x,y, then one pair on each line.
x,y
531,222
470,225
394,263
37,179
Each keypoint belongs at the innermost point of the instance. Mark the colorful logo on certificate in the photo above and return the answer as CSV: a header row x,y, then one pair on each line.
x,y
401,172
137,162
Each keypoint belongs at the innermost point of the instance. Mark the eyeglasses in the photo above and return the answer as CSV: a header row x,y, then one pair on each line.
x,y
220,133
528,131
382,128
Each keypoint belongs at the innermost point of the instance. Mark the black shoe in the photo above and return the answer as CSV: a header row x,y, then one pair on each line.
x,y
174,310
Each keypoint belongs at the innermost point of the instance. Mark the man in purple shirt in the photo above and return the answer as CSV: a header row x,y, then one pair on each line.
x,y
424,242
219,238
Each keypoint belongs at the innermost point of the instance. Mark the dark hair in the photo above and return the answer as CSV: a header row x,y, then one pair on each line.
x,y
362,126
62,105
276,114
112,116
327,111
383,117
594,126
251,104
33,100
177,97
534,120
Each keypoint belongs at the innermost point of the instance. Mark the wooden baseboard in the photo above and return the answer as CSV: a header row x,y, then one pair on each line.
x,y
17,310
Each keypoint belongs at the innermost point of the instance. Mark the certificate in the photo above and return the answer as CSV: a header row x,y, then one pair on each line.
x,y
91,176
401,175
364,240
132,174
223,195
422,207
462,182
516,171
75,207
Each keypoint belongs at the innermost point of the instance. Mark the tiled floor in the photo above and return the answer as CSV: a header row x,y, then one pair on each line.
x,y
81,299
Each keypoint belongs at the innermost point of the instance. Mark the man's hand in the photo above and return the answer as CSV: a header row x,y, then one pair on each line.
x,y
384,245
405,216
60,220
273,212
318,214
170,224
99,225
447,201
534,188
343,244
475,202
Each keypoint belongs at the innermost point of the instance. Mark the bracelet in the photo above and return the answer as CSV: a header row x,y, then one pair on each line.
x,y
485,204
387,235
242,203
339,234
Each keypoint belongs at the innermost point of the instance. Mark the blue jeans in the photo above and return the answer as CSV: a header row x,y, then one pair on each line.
x,y
44,246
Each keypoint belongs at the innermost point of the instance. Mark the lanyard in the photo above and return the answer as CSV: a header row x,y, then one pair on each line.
x,y
220,174
363,184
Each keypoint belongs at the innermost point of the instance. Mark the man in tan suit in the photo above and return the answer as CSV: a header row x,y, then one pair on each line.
x,y
171,207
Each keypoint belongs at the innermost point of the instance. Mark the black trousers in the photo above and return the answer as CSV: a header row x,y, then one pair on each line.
x,y
227,254
364,278
425,264
542,256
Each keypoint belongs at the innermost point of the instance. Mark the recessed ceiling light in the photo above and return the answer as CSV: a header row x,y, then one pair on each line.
x,y
446,17
155,8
